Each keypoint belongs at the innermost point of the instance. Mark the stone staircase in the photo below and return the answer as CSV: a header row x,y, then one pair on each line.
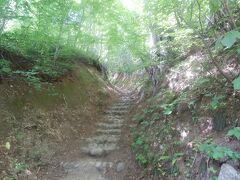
x,y
108,132
105,140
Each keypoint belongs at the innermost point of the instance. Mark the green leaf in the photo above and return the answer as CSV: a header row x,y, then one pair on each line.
x,y
139,141
167,111
6,70
236,83
234,132
174,161
230,38
218,153
164,158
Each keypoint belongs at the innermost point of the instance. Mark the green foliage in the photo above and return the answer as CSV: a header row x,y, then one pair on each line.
x,y
49,31
31,78
217,152
235,132
5,68
217,102
138,117
228,39
166,96
236,84
168,108
141,148
142,160
19,166
171,161
155,128
9,178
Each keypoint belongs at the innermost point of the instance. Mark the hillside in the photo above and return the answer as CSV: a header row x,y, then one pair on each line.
x,y
119,89
39,125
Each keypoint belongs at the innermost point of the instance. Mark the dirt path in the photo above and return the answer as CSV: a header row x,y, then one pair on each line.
x,y
106,154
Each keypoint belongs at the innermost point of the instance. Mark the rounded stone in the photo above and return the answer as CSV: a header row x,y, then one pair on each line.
x,y
120,166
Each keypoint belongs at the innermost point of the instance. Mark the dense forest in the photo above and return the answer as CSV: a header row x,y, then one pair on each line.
x,y
175,62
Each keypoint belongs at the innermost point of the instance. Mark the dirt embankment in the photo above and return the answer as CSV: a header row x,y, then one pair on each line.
x,y
38,127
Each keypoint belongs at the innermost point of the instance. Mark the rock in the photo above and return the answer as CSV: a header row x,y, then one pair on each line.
x,y
120,166
227,172
101,166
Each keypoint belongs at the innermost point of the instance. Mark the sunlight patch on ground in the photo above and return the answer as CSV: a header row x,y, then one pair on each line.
x,y
188,70
184,133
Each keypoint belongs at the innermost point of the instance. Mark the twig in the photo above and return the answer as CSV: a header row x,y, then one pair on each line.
x,y
64,98
38,170
195,157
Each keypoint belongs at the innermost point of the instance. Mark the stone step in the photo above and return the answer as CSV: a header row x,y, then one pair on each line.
x,y
122,105
84,169
109,126
118,112
114,116
124,100
104,139
115,121
114,107
103,166
109,131
99,150
87,169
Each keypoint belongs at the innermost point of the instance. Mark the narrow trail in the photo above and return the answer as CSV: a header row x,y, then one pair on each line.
x,y
99,148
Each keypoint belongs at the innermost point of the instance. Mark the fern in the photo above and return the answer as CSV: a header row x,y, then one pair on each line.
x,y
235,132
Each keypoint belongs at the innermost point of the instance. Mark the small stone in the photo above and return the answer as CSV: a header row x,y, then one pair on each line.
x,y
100,166
120,166
28,172
77,165
110,164
228,172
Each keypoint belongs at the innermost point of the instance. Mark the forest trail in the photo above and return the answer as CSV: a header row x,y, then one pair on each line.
x,y
97,151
